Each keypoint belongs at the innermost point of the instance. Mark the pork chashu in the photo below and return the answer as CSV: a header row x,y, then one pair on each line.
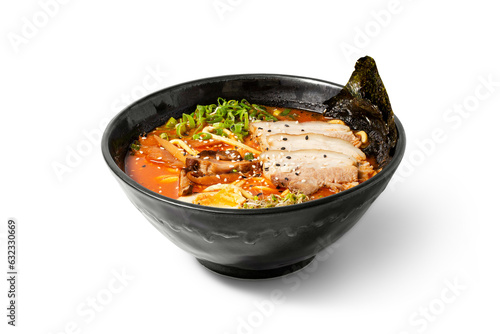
x,y
339,131
307,156
308,170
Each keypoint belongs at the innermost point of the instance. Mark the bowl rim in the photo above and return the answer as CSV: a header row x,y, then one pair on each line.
x,y
343,195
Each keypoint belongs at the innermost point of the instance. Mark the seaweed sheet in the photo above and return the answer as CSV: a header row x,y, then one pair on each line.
x,y
363,104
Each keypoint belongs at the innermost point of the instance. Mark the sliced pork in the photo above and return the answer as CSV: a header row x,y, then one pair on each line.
x,y
307,156
308,170
339,131
287,143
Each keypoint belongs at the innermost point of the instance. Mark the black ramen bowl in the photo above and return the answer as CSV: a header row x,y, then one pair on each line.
x,y
244,243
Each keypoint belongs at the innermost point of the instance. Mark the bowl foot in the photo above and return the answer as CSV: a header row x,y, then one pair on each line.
x,y
254,274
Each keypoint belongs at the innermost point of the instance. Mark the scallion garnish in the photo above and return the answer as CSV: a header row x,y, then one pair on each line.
x,y
202,136
180,128
226,114
285,112
171,123
136,146
189,120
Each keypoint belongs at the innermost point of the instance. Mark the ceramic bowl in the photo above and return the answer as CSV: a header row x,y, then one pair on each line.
x,y
244,243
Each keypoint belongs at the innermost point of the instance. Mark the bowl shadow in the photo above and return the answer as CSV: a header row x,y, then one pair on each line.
x,y
389,239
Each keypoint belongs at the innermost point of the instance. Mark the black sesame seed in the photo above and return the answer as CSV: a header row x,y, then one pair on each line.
x,y
266,169
277,165
324,156
283,148
285,139
286,179
143,166
260,128
297,174
287,125
302,130
268,130
288,157
307,137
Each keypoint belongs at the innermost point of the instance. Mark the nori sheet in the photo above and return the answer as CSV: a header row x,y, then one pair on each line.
x,y
363,104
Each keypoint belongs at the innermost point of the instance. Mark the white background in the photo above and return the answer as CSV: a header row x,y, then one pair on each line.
x,y
436,224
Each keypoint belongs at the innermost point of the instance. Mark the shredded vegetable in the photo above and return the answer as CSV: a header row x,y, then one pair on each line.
x,y
272,201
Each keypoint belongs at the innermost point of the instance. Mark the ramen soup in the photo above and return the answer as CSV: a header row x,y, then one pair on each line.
x,y
234,154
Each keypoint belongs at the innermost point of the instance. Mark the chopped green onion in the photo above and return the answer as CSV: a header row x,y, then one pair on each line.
x,y
188,119
239,136
200,111
202,136
136,146
245,120
180,128
226,114
285,112
249,156
214,119
164,135
261,108
199,128
171,123
237,128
